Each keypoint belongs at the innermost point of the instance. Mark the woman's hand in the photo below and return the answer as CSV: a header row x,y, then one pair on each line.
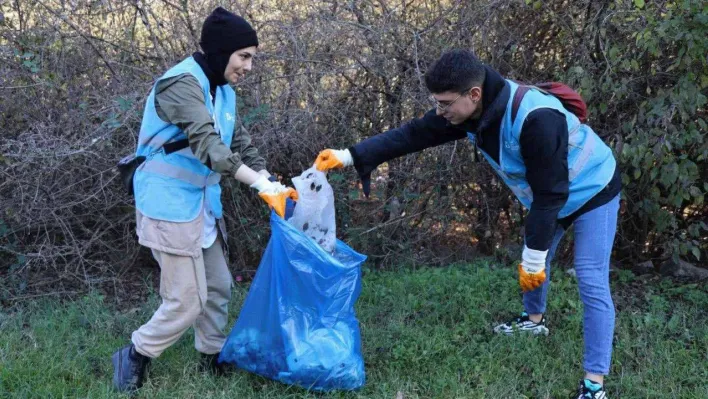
x,y
274,194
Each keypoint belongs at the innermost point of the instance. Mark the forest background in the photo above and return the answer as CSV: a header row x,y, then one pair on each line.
x,y
74,76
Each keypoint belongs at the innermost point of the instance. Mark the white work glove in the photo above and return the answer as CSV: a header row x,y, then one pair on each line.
x,y
274,194
532,270
333,159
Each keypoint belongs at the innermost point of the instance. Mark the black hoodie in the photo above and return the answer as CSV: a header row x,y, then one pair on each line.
x,y
544,148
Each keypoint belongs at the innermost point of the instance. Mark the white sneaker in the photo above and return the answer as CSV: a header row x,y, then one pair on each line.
x,y
522,324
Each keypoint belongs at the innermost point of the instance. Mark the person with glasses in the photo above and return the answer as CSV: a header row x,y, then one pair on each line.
x,y
557,167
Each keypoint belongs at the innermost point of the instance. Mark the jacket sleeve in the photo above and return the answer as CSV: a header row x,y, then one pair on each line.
x,y
180,101
544,148
429,131
241,144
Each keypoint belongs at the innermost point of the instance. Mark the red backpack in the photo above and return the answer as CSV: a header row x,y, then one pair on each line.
x,y
570,99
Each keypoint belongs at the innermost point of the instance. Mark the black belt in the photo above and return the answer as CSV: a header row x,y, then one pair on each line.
x,y
176,146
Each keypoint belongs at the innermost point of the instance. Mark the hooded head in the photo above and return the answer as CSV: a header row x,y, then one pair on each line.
x,y
223,34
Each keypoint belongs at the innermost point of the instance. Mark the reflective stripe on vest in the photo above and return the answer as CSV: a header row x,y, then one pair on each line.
x,y
583,157
165,169
176,186
591,164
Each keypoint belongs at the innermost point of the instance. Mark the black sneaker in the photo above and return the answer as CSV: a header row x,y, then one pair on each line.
x,y
522,324
210,363
591,390
129,369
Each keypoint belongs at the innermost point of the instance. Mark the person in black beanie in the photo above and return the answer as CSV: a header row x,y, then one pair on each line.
x,y
190,138
223,33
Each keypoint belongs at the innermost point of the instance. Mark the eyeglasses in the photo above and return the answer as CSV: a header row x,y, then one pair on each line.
x,y
442,108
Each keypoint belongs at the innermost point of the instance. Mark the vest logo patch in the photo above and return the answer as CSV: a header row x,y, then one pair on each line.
x,y
511,146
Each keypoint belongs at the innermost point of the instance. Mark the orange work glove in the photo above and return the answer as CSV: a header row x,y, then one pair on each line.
x,y
333,159
532,269
274,194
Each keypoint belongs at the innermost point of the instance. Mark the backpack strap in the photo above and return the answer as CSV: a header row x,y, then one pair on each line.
x,y
518,96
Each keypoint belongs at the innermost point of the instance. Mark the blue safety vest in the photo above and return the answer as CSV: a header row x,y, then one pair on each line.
x,y
591,164
175,187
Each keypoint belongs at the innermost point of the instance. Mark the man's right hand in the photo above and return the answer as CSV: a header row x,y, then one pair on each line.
x,y
333,159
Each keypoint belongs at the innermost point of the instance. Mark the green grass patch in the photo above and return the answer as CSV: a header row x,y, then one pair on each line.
x,y
426,333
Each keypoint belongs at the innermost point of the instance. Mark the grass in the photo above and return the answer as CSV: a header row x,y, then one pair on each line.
x,y
426,334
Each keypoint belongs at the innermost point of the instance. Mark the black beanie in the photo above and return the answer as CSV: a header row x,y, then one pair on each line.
x,y
223,33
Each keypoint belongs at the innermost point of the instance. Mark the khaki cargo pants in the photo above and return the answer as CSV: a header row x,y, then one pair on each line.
x,y
195,292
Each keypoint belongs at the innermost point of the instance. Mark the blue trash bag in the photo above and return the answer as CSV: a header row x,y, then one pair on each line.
x,y
298,325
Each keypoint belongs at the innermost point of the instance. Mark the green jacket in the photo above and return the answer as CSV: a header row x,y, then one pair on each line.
x,y
180,101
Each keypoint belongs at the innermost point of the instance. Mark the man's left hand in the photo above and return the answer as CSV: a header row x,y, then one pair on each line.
x,y
532,269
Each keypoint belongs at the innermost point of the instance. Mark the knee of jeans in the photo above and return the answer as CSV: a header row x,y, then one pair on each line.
x,y
598,299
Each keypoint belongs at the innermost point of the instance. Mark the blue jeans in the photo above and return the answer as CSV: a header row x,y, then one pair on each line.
x,y
594,236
